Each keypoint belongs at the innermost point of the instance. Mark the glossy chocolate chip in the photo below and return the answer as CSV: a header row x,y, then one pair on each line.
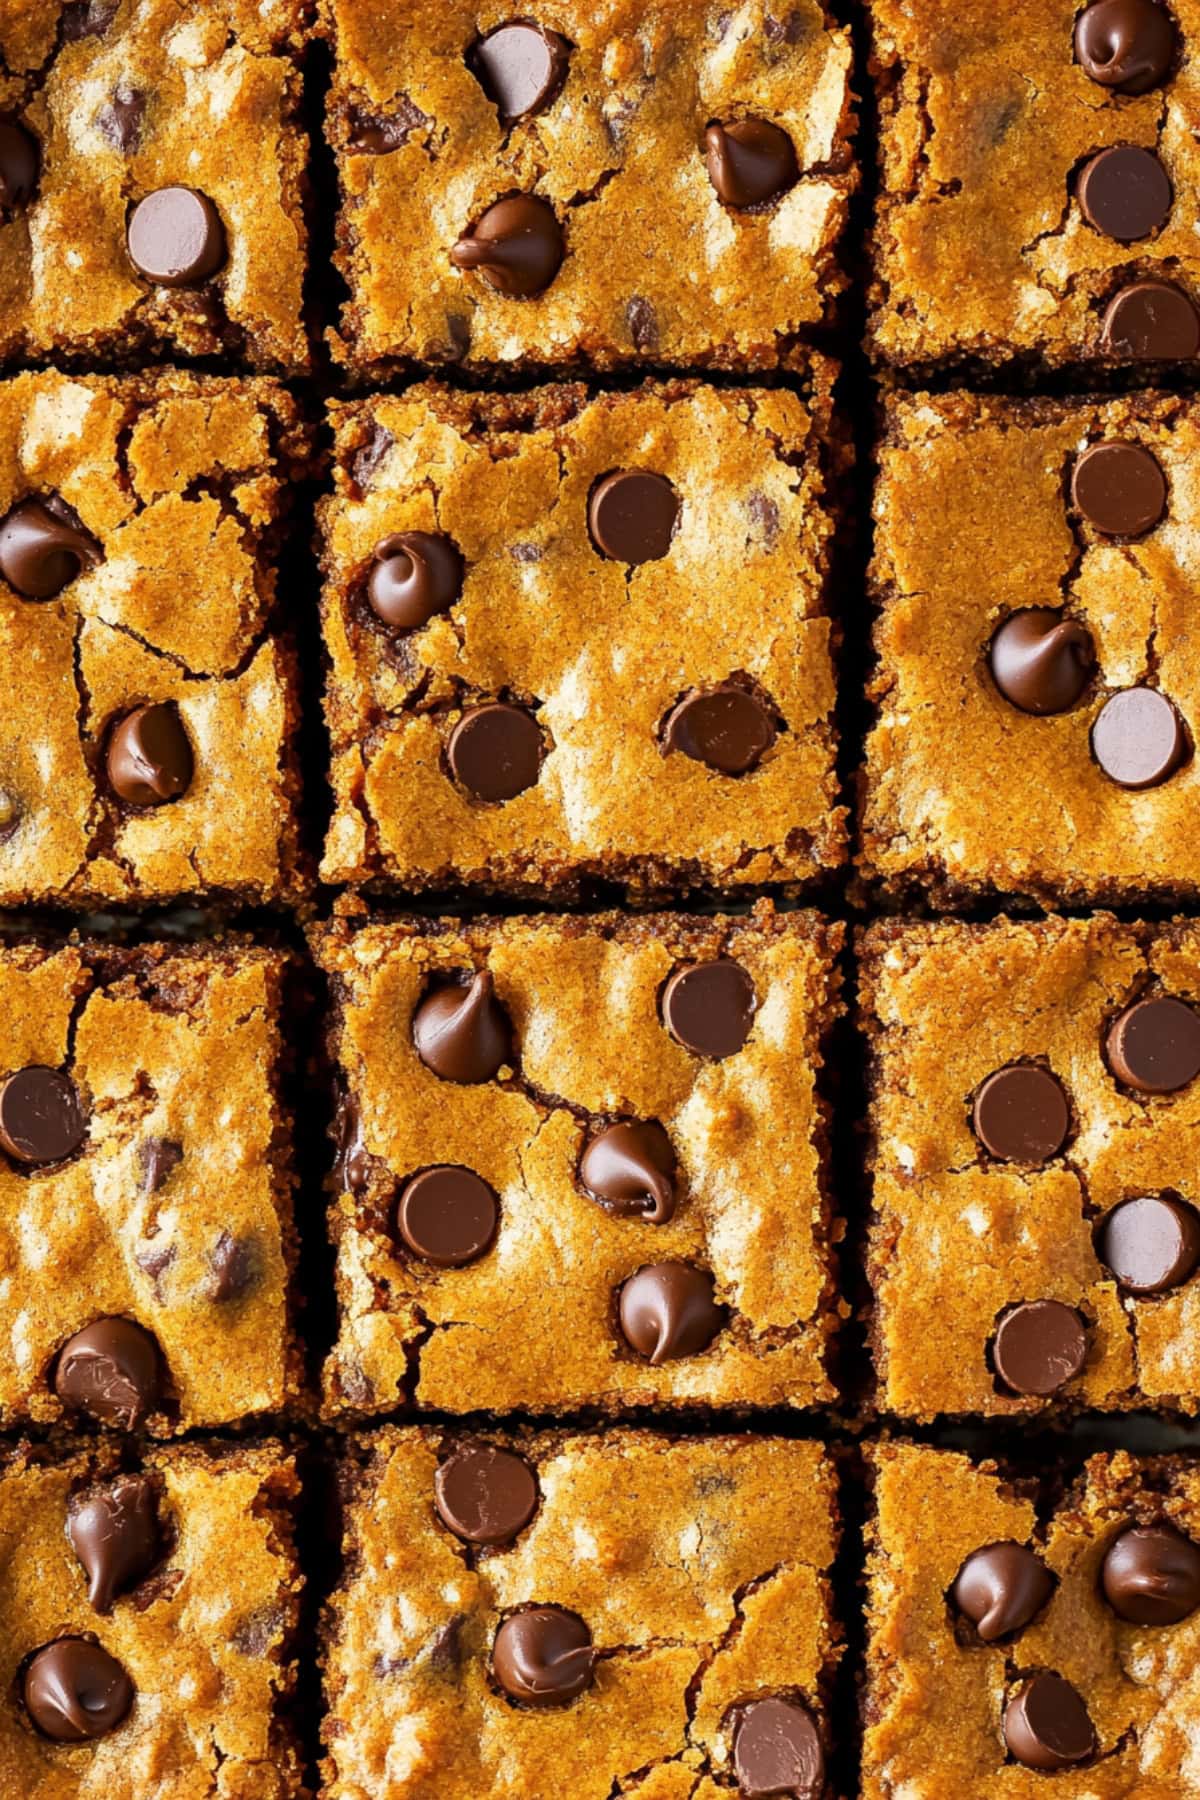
x,y
632,515
74,1691
630,1168
119,120
1039,1347
1046,1724
41,1119
19,164
1154,1045
114,1533
157,1159
543,1656
149,759
667,1310
1139,739
777,1750
485,1495
175,237
495,751
708,1007
416,575
1124,192
1150,320
725,728
110,1370
1151,1243
447,1216
520,67
1020,1114
1120,489
233,1268
1001,1588
1151,1575
11,814
516,246
43,547
1040,661
750,161
463,1033
1125,44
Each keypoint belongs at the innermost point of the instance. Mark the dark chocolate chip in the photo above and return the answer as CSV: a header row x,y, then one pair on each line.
x,y
1151,1575
1001,1588
43,546
642,321
1040,1346
41,1118
154,1261
543,1656
517,246
1120,489
447,1216
1124,192
1040,661
74,1691
495,751
119,120
632,515
750,161
630,1168
667,1310
114,1533
726,728
157,1159
149,758
520,67
352,1164
19,165
445,1648
1154,1045
1150,320
777,1750
377,134
1150,1243
260,1628
1046,1724
463,1033
364,465
1125,44
233,1268
417,574
1139,739
1020,1114
110,1369
175,237
485,1495
708,1007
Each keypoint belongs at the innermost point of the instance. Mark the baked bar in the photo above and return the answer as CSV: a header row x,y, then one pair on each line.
x,y
663,183
573,637
151,177
585,1615
147,739
150,1607
582,1161
146,1230
1019,1632
1037,166
1034,1100
1038,680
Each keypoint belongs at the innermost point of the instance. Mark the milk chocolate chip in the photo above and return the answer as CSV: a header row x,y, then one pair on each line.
x,y
110,1369
1151,1575
74,1691
43,547
1040,661
463,1033
520,67
485,1495
416,575
667,1310
1046,1724
41,1118
750,161
447,1216
1001,1588
630,1168
1128,45
517,246
149,757
175,237
543,1656
114,1533
1040,1346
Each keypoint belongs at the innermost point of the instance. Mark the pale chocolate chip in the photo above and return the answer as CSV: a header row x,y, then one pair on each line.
x,y
642,321
175,237
1040,1346
520,67
517,246
543,1656
1046,1724
668,1310
1001,1589
485,1495
1139,739
1150,1243
119,120
75,1692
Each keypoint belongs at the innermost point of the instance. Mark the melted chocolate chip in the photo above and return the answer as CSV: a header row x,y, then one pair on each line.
x,y
517,246
520,67
175,237
417,574
495,751
233,1268
1001,1588
20,162
1128,45
726,728
114,1533
119,120
1139,739
667,1310
777,1750
1124,192
1151,1243
364,465
378,134
642,321
708,1007
448,1216
630,1168
1151,1575
750,161
110,1370
75,1692
1151,320
632,515
485,1495
157,1159
352,1164
543,1656
1020,1114
149,759
1040,661
463,1033
1154,1045
41,1118
43,546
1120,489
1046,1724
1040,1346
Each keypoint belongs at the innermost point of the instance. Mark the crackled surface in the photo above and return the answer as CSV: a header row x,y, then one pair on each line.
x,y
583,998
964,793
656,269
205,95
601,649
958,1236
176,1046
934,1702
981,250
700,1566
182,481
206,1637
